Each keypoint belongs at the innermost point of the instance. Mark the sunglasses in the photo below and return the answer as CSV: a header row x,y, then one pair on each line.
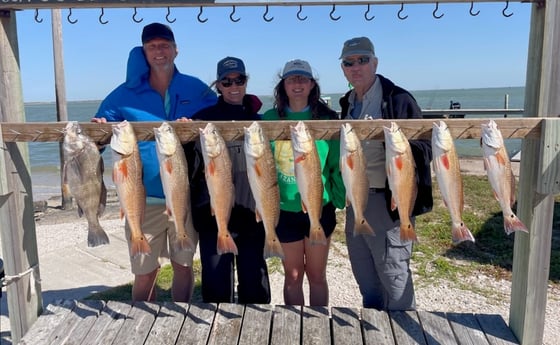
x,y
239,81
362,60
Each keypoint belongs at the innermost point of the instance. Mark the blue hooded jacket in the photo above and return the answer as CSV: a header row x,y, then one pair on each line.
x,y
135,100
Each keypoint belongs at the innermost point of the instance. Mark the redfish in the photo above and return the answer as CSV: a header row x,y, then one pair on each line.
x,y
401,173
220,184
127,176
307,170
175,180
353,170
82,174
261,171
500,175
448,174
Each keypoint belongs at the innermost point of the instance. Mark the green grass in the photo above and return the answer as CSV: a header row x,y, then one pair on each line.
x,y
434,256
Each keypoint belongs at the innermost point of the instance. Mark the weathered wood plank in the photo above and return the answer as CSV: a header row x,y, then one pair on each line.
x,y
198,323
496,330
346,326
437,330
108,324
548,181
406,328
168,324
74,327
137,324
227,324
233,130
257,324
48,321
286,325
466,329
315,324
377,327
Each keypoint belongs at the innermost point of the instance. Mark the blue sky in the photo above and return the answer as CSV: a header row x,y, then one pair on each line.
x,y
418,53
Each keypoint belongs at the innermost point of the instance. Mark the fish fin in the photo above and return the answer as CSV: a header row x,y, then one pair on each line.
x,y
399,162
407,232
496,195
445,161
139,246
500,158
273,248
258,217
96,235
226,244
168,212
258,170
211,167
350,162
168,166
393,203
299,159
512,186
485,161
460,233
303,208
362,227
212,211
513,223
317,235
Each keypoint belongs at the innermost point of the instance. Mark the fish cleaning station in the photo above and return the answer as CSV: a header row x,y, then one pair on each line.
x,y
116,322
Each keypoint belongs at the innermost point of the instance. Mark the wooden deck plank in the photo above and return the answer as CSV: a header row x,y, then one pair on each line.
x,y
496,330
377,327
75,326
257,324
406,328
48,320
168,324
315,326
227,324
108,324
466,329
198,323
286,325
346,326
137,324
437,330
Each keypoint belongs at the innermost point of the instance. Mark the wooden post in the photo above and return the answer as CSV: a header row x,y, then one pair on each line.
x,y
60,90
17,225
506,103
531,256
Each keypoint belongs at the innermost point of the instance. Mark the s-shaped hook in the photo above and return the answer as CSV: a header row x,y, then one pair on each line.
x,y
332,12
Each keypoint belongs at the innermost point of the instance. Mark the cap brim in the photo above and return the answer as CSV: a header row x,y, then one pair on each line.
x,y
223,75
303,73
356,52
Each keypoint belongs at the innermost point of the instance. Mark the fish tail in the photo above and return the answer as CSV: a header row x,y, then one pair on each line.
x,y
362,227
317,235
183,242
407,232
460,233
226,244
273,248
139,246
96,236
513,223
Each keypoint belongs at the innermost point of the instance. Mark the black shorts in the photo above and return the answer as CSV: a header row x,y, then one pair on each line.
x,y
295,226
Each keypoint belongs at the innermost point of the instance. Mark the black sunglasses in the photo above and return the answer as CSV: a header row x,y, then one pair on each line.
x,y
239,81
362,60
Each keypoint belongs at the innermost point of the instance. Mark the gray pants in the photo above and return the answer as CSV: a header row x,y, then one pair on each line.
x,y
381,263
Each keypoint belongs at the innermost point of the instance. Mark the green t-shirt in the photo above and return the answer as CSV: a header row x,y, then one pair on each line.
x,y
329,156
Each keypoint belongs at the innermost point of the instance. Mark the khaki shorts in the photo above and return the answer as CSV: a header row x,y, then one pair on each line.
x,y
159,232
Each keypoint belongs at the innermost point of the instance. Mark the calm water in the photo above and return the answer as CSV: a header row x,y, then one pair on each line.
x,y
45,161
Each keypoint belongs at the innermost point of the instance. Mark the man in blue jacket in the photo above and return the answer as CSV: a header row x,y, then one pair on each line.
x,y
154,90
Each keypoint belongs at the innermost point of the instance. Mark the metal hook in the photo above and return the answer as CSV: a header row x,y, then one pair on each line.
x,y
231,15
264,15
474,14
504,10
400,11
101,16
37,16
198,17
69,15
366,15
298,15
332,12
435,10
167,16
134,17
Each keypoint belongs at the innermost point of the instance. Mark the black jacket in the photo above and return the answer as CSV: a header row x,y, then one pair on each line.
x,y
400,104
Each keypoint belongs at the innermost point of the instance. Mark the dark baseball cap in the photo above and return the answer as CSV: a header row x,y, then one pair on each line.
x,y
230,65
157,30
